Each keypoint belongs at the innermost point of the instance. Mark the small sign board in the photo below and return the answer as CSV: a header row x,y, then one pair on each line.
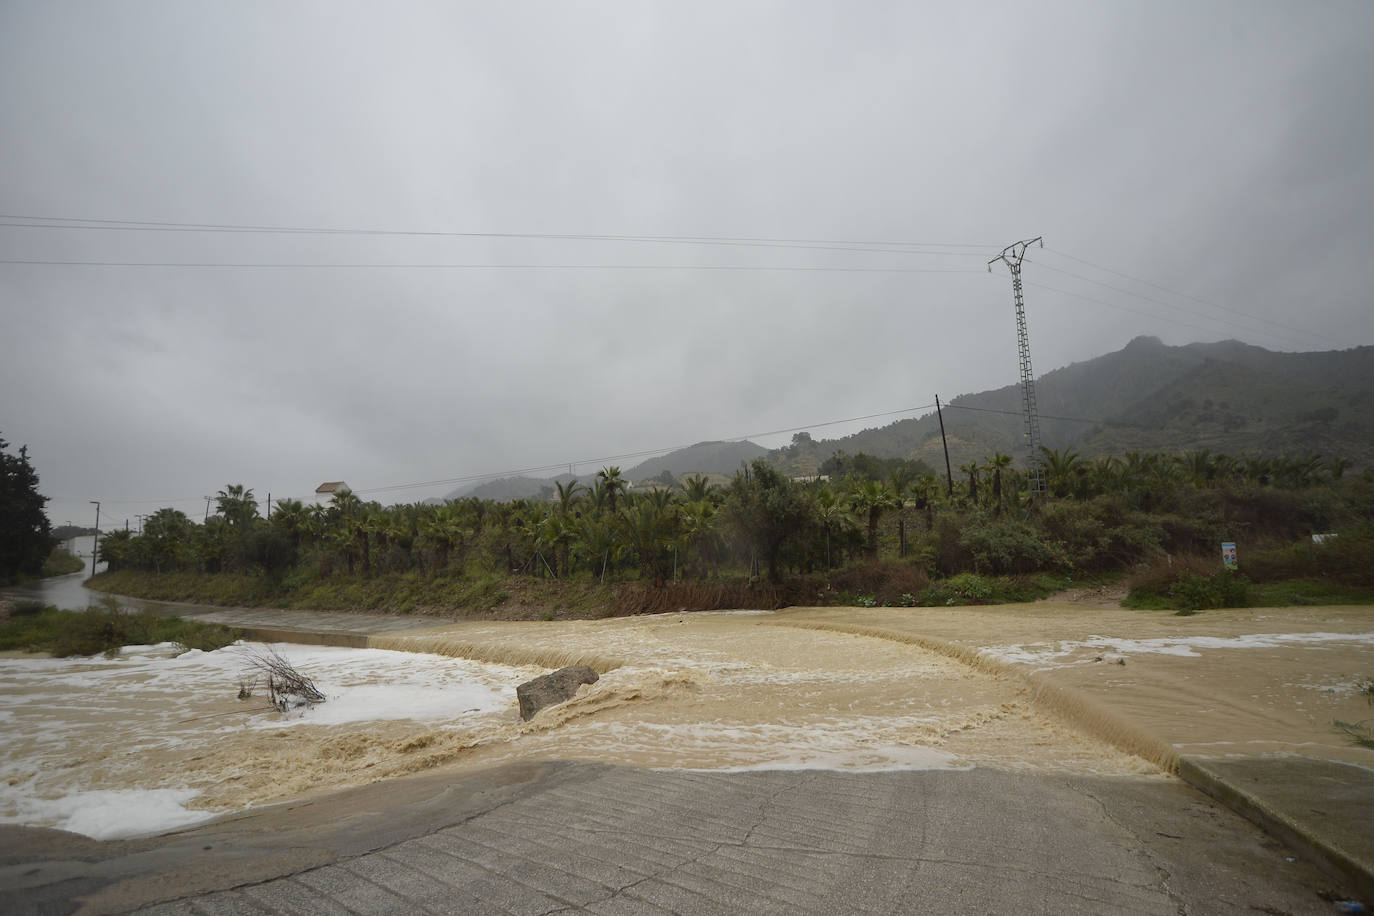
x,y
1228,554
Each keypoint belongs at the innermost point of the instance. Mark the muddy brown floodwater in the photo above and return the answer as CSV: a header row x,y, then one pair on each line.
x,y
1037,686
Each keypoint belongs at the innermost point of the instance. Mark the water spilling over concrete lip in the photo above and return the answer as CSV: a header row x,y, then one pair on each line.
x,y
849,689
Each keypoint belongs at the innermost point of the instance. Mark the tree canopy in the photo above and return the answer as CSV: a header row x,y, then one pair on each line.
x,y
25,533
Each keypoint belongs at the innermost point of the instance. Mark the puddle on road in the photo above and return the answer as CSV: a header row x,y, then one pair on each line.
x,y
88,741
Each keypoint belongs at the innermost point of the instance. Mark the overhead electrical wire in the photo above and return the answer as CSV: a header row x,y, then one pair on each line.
x,y
29,221
640,454
1178,308
254,265
1123,308
1182,295
514,472
887,247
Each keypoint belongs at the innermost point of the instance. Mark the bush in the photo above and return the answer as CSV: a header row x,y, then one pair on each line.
x,y
885,583
1345,558
970,586
1342,559
105,629
1186,584
61,563
1006,546
1193,592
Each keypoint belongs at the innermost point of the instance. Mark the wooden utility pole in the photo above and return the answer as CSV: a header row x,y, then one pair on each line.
x,y
949,475
95,545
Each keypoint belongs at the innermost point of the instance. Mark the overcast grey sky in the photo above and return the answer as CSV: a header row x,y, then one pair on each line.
x,y
1217,150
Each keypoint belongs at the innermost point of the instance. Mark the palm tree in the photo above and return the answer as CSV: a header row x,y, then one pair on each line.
x,y
236,504
830,512
696,488
900,480
1258,469
344,505
997,464
613,482
698,522
596,496
873,498
567,494
1198,466
971,469
1105,474
292,519
649,530
1060,469
442,529
599,541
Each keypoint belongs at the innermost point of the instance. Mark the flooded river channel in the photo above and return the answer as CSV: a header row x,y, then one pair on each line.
x,y
1064,688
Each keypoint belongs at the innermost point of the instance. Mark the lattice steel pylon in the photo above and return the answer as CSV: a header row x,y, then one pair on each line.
x,y
1012,256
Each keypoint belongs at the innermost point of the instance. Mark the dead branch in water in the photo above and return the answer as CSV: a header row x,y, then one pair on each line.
x,y
286,687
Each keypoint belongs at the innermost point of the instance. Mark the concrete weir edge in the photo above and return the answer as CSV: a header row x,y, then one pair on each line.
x,y
1203,775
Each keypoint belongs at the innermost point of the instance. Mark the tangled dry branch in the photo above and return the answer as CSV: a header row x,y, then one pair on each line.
x,y
286,687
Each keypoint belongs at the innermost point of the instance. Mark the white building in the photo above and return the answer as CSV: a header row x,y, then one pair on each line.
x,y
325,492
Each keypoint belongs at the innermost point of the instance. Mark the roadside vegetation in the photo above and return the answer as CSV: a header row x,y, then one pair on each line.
x,y
61,563
26,540
1362,732
33,627
865,531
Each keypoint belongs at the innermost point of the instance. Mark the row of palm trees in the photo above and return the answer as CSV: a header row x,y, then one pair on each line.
x,y
605,528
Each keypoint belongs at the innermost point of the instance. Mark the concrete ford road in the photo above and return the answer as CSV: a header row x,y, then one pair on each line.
x,y
560,837
1241,702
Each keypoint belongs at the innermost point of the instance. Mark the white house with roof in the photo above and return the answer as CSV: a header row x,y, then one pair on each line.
x,y
325,492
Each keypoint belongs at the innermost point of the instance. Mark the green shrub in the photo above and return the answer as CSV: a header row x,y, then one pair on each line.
x,y
106,629
970,587
1193,592
1345,558
1005,546
61,563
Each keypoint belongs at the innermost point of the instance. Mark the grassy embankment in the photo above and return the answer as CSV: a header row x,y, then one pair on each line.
x,y
32,627
1294,574
58,563
61,563
515,597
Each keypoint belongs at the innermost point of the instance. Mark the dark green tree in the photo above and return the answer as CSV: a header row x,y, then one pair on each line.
x,y
25,533
768,511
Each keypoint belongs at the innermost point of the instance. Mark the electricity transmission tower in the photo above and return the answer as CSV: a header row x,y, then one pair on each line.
x,y
1012,256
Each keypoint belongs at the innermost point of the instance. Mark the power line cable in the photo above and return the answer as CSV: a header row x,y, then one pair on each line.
x,y
890,247
1171,321
1174,292
514,472
1185,309
252,265
640,454
1044,416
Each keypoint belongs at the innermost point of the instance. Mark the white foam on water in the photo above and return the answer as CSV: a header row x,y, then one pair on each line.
x,y
1182,646
104,814
75,728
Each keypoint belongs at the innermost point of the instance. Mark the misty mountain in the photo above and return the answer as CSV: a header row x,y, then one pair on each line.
x,y
1226,396
702,458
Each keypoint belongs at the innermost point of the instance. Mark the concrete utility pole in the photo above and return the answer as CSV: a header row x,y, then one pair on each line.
x,y
1012,256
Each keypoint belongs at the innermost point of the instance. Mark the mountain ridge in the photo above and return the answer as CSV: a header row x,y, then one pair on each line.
x,y
1226,396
